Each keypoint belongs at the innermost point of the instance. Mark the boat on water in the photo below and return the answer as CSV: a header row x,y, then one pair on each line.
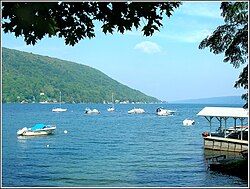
x,y
94,111
232,138
111,109
188,122
136,111
60,109
44,102
232,132
164,112
36,130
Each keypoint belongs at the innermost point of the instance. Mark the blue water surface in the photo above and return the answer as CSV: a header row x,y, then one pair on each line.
x,y
112,149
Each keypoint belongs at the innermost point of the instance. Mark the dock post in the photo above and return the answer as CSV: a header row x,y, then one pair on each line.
x,y
210,123
241,120
225,118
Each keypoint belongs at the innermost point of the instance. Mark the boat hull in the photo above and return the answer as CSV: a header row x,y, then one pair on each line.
x,y
111,109
94,111
136,111
45,131
59,110
164,112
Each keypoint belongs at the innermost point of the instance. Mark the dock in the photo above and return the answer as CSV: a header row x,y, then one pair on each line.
x,y
232,139
225,144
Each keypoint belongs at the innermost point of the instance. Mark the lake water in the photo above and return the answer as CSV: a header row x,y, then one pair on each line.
x,y
112,149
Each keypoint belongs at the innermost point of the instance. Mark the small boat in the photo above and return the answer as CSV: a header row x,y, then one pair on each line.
x,y
111,109
188,122
60,109
44,102
233,132
136,111
164,112
94,111
37,129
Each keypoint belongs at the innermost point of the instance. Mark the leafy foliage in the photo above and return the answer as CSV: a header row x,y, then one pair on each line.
x,y
26,75
74,21
243,82
232,39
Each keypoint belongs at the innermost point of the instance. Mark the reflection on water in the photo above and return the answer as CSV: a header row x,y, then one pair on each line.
x,y
21,138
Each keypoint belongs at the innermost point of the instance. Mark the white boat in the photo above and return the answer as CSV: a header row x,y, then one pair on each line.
x,y
164,112
44,102
94,111
188,122
111,109
38,129
136,111
60,109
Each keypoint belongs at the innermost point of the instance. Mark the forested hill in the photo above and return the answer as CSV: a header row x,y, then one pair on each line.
x,y
30,77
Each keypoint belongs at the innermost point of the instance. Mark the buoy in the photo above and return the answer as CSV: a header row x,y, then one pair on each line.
x,y
65,131
47,145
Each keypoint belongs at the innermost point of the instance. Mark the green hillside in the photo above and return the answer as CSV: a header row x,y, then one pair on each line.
x,y
26,76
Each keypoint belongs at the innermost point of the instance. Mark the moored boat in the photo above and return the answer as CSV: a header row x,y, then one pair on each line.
x,y
164,112
37,129
60,109
111,109
188,122
136,111
94,111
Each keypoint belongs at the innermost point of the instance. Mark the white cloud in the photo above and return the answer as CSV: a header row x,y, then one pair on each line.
x,y
148,47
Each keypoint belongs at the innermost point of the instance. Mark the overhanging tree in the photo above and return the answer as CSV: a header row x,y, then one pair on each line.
x,y
232,39
74,21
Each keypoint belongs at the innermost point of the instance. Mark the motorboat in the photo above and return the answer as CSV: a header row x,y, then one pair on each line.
x,y
233,132
37,129
164,112
136,111
60,109
111,109
94,111
188,122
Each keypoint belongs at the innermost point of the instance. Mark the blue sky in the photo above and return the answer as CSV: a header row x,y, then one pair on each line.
x,y
167,65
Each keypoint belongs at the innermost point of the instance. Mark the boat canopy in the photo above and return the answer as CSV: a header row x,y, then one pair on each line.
x,y
224,112
37,126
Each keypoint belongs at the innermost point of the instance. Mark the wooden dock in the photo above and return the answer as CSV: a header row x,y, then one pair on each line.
x,y
225,144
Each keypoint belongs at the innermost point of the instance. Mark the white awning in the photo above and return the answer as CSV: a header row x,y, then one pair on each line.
x,y
224,112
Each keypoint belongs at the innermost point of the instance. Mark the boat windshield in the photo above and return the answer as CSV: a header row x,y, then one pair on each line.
x,y
37,126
